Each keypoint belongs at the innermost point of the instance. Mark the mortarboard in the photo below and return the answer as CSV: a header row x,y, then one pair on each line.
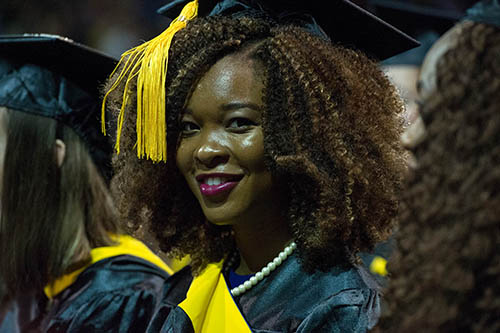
x,y
424,22
414,17
341,20
52,76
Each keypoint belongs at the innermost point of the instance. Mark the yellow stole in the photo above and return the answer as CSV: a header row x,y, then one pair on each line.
x,y
210,305
126,246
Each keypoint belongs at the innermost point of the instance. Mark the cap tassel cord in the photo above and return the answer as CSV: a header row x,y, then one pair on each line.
x,y
149,62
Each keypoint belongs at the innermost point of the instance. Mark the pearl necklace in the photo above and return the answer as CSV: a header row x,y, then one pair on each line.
x,y
260,275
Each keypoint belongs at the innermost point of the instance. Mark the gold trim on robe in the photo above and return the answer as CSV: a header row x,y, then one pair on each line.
x,y
210,305
127,245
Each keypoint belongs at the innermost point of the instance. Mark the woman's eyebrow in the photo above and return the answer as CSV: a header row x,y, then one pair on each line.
x,y
240,105
228,107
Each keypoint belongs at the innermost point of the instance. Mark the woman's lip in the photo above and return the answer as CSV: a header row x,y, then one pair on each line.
x,y
202,177
216,183
210,190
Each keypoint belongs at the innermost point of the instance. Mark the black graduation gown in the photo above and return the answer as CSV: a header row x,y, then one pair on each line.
x,y
288,300
118,293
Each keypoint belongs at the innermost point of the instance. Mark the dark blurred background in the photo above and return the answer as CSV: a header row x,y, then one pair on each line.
x,y
116,25
109,25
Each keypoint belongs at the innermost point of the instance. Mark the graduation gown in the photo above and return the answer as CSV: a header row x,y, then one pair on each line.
x,y
117,292
288,300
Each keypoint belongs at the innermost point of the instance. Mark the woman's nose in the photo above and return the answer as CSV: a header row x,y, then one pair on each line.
x,y
211,152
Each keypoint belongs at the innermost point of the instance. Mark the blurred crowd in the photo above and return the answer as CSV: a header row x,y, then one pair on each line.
x,y
114,26
109,25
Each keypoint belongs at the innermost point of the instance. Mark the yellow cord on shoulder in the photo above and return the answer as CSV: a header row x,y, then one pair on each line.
x,y
379,266
149,62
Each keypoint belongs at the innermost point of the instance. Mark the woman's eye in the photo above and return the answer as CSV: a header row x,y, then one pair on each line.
x,y
240,123
188,127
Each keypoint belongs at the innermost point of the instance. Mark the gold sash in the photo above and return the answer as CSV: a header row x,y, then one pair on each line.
x,y
126,246
210,305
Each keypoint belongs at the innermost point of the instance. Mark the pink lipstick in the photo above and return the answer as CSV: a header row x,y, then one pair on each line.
x,y
217,183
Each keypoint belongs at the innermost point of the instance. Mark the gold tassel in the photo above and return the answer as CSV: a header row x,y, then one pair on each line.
x,y
149,62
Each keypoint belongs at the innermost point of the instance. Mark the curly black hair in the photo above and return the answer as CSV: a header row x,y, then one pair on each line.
x,y
331,129
445,275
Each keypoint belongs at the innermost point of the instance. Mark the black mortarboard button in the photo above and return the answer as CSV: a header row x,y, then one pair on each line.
x,y
341,21
54,77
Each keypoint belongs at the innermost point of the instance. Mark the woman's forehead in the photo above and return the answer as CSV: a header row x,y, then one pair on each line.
x,y
231,79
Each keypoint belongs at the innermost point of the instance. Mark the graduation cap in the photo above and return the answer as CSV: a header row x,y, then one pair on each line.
x,y
426,22
415,18
341,20
52,76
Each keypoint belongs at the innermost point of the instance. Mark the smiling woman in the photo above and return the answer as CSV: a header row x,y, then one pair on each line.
x,y
283,162
221,149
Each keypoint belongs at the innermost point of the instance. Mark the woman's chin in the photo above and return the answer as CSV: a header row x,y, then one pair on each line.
x,y
219,217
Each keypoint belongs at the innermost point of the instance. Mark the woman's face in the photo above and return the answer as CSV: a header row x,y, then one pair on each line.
x,y
221,150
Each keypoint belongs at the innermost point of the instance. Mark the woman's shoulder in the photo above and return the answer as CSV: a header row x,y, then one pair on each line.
x,y
176,287
113,295
293,299
116,294
337,283
350,302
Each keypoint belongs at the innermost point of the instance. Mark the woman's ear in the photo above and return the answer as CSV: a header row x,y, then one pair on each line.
x,y
60,152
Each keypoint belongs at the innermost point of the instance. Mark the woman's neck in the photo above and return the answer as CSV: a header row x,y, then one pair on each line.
x,y
260,242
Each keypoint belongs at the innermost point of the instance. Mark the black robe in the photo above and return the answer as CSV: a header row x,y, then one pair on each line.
x,y
118,293
288,300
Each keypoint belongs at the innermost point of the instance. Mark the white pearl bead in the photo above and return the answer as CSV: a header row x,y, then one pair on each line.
x,y
264,272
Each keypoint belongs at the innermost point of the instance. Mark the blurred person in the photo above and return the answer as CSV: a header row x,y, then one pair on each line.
x,y
426,21
423,21
445,274
65,264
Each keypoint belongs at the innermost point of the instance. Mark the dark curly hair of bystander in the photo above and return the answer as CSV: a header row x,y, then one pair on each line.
x,y
445,274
